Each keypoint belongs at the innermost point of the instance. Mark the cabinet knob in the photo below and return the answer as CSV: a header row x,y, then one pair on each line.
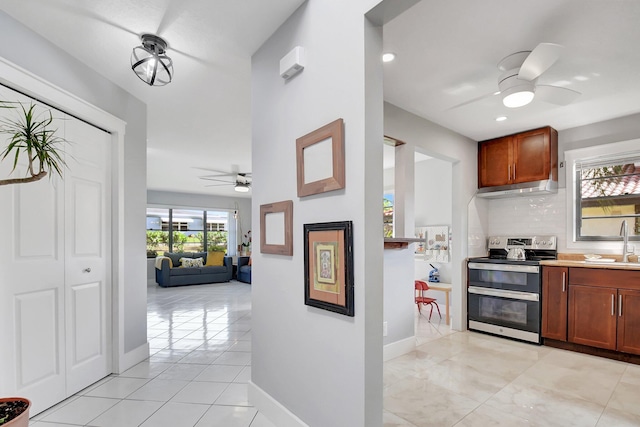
x,y
87,270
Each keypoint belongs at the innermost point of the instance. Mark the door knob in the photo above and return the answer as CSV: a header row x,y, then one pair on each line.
x,y
87,270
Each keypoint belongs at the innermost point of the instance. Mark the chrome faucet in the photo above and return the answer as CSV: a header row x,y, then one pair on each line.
x,y
624,232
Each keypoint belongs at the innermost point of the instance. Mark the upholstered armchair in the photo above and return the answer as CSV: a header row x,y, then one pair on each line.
x,y
244,269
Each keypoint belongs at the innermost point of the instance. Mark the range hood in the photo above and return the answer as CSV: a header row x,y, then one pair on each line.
x,y
532,188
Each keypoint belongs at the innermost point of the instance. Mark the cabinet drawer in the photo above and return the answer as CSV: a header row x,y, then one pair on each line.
x,y
624,279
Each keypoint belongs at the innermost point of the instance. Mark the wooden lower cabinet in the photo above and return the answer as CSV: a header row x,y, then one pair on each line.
x,y
629,321
592,316
554,302
603,308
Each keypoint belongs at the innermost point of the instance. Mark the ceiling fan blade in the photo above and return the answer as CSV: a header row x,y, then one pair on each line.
x,y
539,60
210,178
221,185
471,101
218,172
556,94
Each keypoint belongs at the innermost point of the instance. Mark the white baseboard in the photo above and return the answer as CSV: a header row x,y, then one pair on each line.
x,y
133,357
272,409
398,348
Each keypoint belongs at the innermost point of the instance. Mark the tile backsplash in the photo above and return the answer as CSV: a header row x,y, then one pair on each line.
x,y
536,215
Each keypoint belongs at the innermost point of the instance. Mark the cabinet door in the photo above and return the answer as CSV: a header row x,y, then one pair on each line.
x,y
554,302
592,316
531,156
494,162
629,321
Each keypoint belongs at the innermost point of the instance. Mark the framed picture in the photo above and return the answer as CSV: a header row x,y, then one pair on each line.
x,y
276,228
320,160
328,266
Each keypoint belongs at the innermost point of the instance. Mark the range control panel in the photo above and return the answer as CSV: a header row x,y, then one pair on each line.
x,y
528,242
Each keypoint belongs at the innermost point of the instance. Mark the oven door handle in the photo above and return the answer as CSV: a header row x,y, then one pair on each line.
x,y
499,293
504,267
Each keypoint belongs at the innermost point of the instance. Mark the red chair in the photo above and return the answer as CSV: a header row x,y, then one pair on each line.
x,y
420,289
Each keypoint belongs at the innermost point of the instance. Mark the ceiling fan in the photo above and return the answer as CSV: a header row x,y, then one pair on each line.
x,y
518,81
240,180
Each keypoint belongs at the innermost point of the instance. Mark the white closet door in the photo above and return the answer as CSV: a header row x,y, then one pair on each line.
x,y
32,323
87,255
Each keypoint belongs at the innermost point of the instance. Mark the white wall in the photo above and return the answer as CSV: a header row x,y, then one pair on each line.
x,y
311,366
615,130
433,201
447,145
433,179
398,279
37,55
399,304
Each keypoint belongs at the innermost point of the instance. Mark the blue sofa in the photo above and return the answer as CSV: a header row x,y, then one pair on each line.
x,y
244,269
166,275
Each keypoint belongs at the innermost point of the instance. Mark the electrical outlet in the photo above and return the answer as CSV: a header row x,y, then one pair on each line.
x,y
384,329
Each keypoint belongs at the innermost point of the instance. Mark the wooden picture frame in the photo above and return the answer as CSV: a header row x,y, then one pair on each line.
x,y
321,181
328,266
285,239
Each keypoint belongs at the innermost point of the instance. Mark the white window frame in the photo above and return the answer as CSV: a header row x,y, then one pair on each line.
x,y
572,157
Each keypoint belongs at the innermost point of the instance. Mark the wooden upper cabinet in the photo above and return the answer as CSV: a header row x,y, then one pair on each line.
x,y
555,287
531,156
494,158
523,157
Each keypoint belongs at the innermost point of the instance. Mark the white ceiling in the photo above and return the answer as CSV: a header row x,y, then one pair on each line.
x,y
203,117
447,52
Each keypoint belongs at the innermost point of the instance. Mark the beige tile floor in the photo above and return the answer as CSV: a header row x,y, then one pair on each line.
x,y
471,379
200,339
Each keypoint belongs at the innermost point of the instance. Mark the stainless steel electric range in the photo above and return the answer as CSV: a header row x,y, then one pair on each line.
x,y
504,294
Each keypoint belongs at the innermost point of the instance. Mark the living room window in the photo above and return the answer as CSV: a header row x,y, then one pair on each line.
x,y
606,190
186,230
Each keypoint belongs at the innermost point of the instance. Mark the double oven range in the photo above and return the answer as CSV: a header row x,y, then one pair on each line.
x,y
505,287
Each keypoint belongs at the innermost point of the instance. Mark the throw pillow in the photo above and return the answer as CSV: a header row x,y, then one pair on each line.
x,y
192,262
215,259
175,258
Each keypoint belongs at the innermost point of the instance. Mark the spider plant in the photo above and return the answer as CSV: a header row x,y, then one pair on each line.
x,y
30,136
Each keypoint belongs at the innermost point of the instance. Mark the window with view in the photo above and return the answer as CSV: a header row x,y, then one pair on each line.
x,y
607,193
186,230
387,214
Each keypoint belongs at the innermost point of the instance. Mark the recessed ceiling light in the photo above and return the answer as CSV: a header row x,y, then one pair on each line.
x,y
388,57
501,118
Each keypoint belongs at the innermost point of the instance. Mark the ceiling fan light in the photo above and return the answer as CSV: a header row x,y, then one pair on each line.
x,y
242,188
150,63
515,92
518,99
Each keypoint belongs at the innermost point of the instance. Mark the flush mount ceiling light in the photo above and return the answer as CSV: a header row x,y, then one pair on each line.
x,y
501,118
242,187
150,63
